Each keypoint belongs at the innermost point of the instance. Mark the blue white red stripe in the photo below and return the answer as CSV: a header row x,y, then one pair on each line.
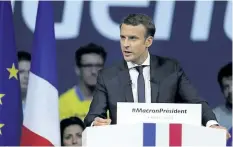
x,y
169,134
41,126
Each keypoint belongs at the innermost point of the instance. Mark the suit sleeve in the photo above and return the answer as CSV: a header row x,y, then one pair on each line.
x,y
189,94
98,106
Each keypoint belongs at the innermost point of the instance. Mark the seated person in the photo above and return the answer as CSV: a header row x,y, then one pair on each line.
x,y
71,131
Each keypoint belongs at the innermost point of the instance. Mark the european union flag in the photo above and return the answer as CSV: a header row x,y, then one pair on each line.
x,y
10,101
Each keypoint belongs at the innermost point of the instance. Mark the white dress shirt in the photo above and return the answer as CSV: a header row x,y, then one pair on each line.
x,y
146,74
134,77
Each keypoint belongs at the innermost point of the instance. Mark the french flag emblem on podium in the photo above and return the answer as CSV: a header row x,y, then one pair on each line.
x,y
153,135
177,135
162,135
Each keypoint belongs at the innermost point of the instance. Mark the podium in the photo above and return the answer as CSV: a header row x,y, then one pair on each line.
x,y
152,134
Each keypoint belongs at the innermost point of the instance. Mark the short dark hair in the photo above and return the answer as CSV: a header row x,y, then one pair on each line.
x,y
225,71
137,19
88,49
68,122
23,55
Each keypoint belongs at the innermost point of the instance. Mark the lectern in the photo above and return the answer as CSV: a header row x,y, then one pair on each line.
x,y
153,134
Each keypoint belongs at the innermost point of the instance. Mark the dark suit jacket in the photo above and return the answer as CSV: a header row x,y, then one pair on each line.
x,y
169,84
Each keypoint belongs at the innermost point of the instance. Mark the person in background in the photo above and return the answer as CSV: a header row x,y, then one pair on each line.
x,y
71,131
24,64
224,112
76,101
229,141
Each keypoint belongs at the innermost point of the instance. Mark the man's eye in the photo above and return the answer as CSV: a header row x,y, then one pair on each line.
x,y
132,38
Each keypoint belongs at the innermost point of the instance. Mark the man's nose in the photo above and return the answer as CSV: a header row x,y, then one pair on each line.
x,y
126,43
25,76
230,89
94,70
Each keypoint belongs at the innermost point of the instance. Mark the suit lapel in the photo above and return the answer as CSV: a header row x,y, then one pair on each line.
x,y
125,83
155,76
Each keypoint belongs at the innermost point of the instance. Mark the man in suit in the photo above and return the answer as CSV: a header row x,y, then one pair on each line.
x,y
142,77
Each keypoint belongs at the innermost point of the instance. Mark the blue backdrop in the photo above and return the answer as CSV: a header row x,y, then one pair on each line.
x,y
198,34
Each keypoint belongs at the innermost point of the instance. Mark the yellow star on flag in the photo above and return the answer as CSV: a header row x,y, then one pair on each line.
x,y
1,95
13,72
1,125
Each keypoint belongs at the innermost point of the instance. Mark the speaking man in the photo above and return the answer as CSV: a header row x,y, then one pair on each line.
x,y
142,77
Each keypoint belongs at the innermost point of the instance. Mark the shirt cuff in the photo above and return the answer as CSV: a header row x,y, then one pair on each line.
x,y
92,124
211,122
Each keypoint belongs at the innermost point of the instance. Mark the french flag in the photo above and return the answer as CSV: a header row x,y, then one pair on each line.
x,y
167,135
41,125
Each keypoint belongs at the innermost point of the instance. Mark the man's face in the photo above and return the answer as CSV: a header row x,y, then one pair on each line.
x,y
24,68
90,66
227,88
134,46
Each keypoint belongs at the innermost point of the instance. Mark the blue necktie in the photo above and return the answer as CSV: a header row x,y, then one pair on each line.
x,y
141,85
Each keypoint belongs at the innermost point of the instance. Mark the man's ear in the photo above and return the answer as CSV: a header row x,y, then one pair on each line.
x,y
77,71
149,41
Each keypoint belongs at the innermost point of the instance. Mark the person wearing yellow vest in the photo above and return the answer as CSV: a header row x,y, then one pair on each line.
x,y
76,101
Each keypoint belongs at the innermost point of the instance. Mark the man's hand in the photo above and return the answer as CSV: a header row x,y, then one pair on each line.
x,y
223,128
101,122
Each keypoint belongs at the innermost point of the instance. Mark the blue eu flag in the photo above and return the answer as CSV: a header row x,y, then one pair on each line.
x,y
10,101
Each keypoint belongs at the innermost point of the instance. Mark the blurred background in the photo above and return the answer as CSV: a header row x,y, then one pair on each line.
x,y
197,33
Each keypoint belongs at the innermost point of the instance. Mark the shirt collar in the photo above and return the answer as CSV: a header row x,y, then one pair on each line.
x,y
146,62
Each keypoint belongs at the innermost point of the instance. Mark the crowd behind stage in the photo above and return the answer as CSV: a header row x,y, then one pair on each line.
x,y
85,39
74,103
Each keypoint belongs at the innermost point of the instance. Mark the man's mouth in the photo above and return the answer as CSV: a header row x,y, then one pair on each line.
x,y
127,52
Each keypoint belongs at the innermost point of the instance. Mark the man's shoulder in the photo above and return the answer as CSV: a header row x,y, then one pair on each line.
x,y
164,60
70,93
168,64
219,109
112,70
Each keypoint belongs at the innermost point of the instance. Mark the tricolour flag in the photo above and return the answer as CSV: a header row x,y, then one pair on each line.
x,y
41,125
162,135
10,101
167,135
